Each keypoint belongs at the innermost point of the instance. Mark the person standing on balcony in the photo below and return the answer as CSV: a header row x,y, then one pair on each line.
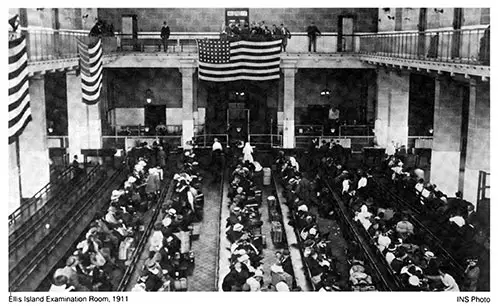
x,y
312,32
285,36
165,34
96,30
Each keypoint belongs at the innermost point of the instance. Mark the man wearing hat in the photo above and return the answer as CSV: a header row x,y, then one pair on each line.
x,y
235,232
286,262
60,284
154,275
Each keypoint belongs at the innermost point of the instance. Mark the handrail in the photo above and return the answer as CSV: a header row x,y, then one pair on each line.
x,y
32,205
122,286
438,243
395,285
16,279
26,235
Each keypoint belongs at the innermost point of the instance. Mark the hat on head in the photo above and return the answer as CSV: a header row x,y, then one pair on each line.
x,y
303,207
236,209
150,264
429,254
243,258
237,227
286,252
258,273
71,261
60,280
414,280
131,179
391,247
112,209
172,211
282,287
239,190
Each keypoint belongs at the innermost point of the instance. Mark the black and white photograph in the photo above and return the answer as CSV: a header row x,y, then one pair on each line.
x,y
245,148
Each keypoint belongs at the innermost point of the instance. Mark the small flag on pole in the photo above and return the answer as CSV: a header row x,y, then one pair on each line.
x,y
91,70
19,98
222,61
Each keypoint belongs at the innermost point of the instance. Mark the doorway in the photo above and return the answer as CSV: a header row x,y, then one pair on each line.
x,y
154,115
345,41
130,29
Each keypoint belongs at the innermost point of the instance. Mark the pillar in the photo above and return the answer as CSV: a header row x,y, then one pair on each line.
x,y
289,71
391,114
84,121
14,183
445,164
33,148
478,138
187,103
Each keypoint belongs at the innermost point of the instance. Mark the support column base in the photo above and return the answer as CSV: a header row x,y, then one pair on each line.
x,y
289,134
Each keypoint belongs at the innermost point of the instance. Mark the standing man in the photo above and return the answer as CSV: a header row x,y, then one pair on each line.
x,y
285,36
312,32
165,34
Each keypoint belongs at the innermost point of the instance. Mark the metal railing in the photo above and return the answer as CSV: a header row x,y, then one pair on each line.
x,y
36,267
206,140
23,240
469,46
266,140
142,130
39,199
128,142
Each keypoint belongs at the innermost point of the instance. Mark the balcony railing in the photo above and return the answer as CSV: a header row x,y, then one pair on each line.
x,y
468,46
456,46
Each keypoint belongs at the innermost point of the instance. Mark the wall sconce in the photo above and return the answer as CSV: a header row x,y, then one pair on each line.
x,y
50,130
149,96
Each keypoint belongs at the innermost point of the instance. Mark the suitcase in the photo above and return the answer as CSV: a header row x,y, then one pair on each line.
x,y
274,215
276,232
180,284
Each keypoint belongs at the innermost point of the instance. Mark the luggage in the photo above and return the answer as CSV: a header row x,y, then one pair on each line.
x,y
258,196
185,241
274,215
267,177
276,232
125,245
180,284
271,203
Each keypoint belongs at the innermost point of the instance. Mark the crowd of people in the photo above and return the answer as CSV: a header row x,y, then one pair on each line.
x,y
170,258
260,31
418,264
102,256
325,263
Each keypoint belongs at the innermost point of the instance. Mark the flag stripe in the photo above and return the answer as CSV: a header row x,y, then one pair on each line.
x,y
91,70
19,99
256,64
221,61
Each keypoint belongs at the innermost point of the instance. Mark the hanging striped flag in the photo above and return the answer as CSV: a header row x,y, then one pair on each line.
x,y
222,61
90,70
19,98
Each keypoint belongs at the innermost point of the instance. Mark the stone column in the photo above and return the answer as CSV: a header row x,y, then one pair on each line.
x,y
445,159
289,71
33,148
14,190
77,116
391,114
478,138
187,70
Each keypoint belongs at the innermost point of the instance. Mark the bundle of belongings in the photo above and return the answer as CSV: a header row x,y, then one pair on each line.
x,y
244,232
110,241
170,258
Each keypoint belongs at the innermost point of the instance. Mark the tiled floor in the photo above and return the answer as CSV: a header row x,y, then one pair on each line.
x,y
206,247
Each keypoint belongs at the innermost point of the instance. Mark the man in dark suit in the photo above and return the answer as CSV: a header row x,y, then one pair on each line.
x,y
312,32
165,34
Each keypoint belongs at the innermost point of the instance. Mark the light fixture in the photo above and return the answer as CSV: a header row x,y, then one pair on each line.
x,y
325,92
431,131
149,96
51,130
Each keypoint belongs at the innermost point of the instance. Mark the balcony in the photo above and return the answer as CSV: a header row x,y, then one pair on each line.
x,y
459,51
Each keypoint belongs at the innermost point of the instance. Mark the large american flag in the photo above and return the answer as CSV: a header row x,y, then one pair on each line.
x,y
90,70
19,98
223,61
